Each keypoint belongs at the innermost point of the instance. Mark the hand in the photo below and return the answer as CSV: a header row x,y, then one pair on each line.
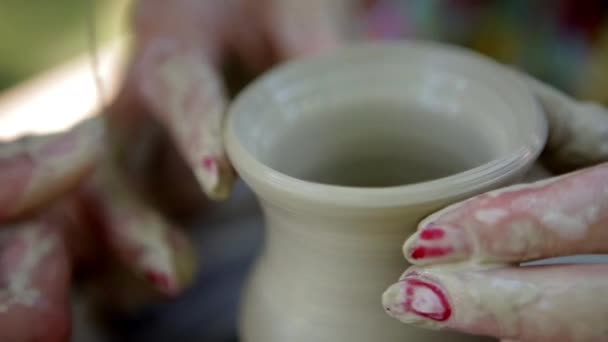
x,y
65,211
175,75
465,275
70,202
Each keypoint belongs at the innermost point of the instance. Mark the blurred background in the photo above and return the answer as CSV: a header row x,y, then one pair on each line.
x,y
563,42
37,35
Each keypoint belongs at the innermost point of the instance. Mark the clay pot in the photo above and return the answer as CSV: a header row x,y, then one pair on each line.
x,y
346,153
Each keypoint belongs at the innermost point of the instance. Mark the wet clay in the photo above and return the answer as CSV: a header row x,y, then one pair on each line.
x,y
347,153
377,145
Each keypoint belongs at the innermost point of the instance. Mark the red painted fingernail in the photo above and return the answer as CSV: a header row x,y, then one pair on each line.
x,y
427,300
422,252
432,233
209,164
159,279
438,243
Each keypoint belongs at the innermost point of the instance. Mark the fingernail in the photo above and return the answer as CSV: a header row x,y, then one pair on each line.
x,y
432,233
417,300
422,252
437,243
162,281
210,164
216,176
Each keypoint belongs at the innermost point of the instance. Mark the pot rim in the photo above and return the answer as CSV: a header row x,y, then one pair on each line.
x,y
272,184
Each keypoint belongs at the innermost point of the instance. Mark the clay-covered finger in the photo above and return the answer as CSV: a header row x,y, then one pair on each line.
x,y
528,304
139,237
559,216
185,93
36,169
34,283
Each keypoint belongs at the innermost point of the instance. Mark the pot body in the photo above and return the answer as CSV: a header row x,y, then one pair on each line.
x,y
321,276
347,153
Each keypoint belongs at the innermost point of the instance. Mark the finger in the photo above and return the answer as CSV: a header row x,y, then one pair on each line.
x,y
178,47
187,96
80,235
551,303
139,237
578,131
560,216
35,274
36,169
302,28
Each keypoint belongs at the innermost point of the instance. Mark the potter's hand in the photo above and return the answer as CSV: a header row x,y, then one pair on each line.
x,y
66,202
465,275
63,209
175,73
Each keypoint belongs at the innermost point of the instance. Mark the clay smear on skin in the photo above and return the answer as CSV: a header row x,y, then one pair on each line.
x,y
157,258
195,97
480,296
503,297
453,211
491,216
147,235
18,161
54,157
19,289
568,207
32,167
15,174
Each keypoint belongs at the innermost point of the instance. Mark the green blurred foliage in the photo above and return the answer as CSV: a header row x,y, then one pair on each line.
x,y
37,34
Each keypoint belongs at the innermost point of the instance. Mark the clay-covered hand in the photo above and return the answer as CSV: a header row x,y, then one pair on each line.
x,y
65,210
70,202
181,49
466,274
